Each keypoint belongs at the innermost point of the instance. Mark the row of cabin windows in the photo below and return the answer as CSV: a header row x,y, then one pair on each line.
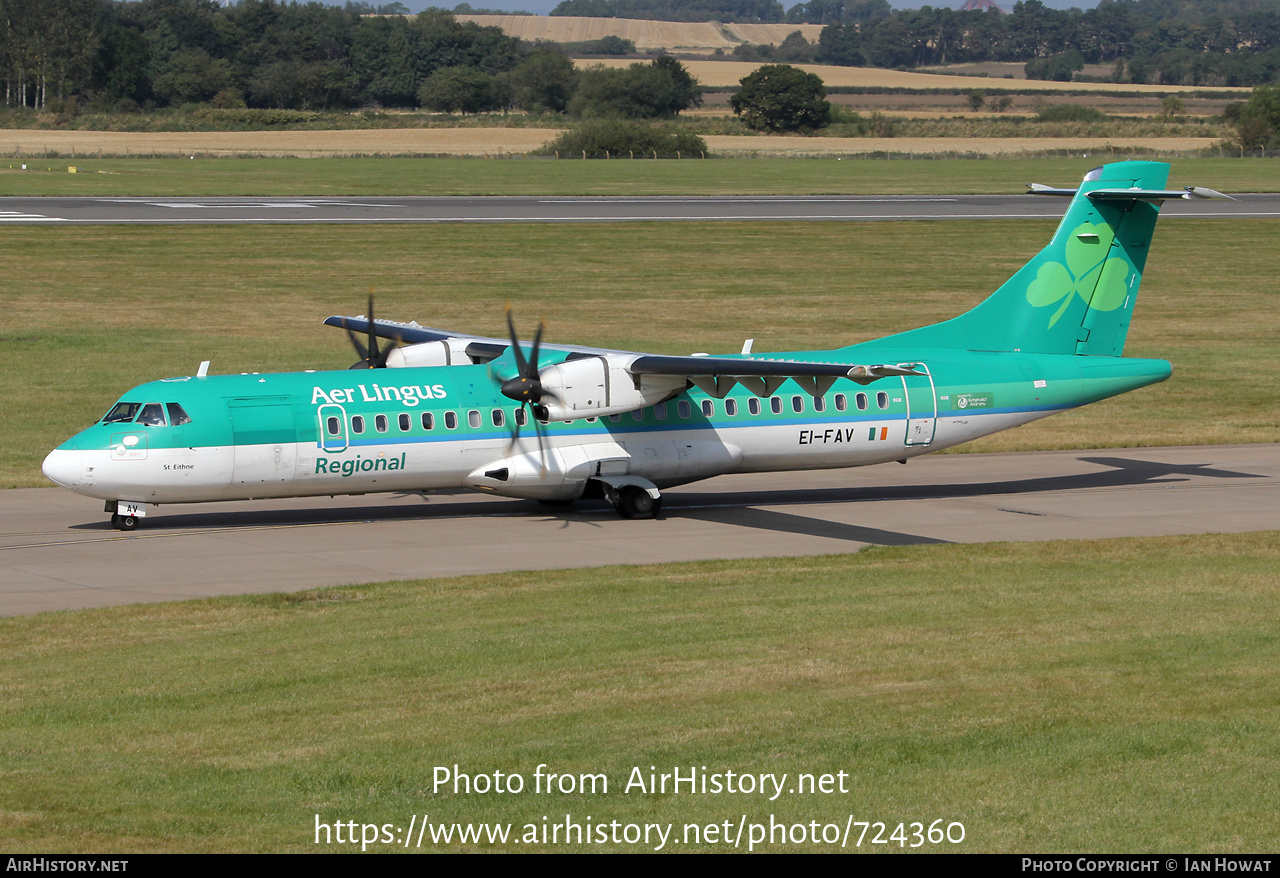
x,y
683,410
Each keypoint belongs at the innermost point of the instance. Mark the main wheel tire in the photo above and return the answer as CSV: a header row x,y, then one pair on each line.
x,y
634,502
128,522
115,521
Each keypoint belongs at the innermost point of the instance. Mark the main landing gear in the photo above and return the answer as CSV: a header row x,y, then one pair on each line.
x,y
636,502
632,496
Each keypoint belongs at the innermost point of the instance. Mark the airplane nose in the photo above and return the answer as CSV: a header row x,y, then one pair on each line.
x,y
63,467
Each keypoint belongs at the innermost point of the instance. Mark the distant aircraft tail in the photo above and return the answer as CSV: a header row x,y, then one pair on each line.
x,y
1077,295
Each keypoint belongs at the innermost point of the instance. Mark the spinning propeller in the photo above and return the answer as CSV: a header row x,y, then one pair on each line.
x,y
370,357
526,388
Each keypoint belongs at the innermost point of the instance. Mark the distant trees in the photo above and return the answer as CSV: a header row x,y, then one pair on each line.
x,y
543,82
460,90
1257,121
659,89
778,97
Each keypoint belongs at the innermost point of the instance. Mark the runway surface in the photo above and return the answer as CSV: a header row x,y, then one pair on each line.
x,y
57,550
557,209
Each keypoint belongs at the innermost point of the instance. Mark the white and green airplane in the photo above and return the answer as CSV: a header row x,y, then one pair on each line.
x,y
445,410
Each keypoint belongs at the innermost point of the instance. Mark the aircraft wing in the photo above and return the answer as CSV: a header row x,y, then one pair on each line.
x,y
714,375
717,375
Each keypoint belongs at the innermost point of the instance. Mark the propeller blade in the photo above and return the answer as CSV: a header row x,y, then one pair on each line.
x,y
361,350
542,448
373,356
522,367
537,343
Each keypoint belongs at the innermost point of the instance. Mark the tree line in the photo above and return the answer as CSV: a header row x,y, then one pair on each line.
x,y
108,55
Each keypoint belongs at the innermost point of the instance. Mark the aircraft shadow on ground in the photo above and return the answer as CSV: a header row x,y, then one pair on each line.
x,y
740,508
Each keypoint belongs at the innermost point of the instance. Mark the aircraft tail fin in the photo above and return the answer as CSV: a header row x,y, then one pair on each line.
x,y
1077,295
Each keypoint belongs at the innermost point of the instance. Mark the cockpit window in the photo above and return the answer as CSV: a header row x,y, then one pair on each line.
x,y
122,411
152,415
177,415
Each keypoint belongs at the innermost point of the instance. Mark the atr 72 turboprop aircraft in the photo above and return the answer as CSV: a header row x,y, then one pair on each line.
x,y
445,410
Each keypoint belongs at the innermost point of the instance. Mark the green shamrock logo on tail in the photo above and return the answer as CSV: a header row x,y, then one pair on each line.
x,y
1086,252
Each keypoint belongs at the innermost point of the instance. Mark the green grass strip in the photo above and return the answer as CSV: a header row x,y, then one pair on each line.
x,y
478,176
1115,695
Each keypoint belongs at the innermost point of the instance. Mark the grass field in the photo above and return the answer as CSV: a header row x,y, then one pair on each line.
x,y
461,176
1114,696
92,311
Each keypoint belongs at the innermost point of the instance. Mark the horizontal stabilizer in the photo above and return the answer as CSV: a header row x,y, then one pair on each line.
x,y
1190,193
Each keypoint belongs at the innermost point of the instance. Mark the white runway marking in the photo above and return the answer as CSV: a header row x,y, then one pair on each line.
x,y
13,216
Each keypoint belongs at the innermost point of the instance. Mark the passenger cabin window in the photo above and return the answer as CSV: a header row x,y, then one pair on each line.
x,y
152,415
882,399
522,417
708,408
406,422
637,415
660,411
451,420
753,405
121,412
862,402
819,403
499,418
333,425
731,407
682,408
776,405
797,404
380,423
842,403
615,418
177,415
473,418
357,424
428,421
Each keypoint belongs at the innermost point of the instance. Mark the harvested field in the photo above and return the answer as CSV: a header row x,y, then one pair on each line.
x,y
733,144
721,74
674,36
506,141
305,144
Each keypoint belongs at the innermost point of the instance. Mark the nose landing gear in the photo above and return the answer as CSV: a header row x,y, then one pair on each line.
x,y
125,516
125,522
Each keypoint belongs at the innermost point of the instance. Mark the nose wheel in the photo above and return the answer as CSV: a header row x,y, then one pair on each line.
x,y
125,522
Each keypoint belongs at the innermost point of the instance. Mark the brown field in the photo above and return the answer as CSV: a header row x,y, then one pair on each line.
x,y
721,74
674,36
501,141
306,144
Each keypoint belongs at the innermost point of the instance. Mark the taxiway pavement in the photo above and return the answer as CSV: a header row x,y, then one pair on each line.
x,y
58,551
561,209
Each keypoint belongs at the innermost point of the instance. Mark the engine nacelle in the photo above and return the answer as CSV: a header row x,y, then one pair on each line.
x,y
601,385
450,352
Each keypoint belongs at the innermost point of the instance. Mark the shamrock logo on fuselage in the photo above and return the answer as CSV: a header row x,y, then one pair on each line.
x,y
1101,282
